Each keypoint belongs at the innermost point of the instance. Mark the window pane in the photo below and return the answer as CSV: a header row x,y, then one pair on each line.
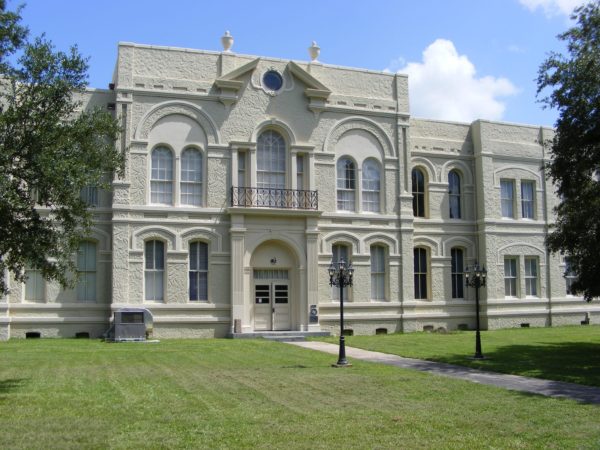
x,y
198,273
418,191
510,277
507,198
346,184
454,194
34,286
191,177
377,272
457,273
527,199
270,159
420,273
371,185
161,184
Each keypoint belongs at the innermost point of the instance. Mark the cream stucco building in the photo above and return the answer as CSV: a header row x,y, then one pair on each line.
x,y
246,175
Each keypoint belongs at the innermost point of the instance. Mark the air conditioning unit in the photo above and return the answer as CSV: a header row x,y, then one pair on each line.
x,y
130,324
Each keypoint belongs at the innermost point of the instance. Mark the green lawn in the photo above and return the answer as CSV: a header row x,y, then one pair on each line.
x,y
561,353
258,394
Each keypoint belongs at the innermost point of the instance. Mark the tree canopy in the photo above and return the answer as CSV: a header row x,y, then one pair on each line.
x,y
573,83
51,147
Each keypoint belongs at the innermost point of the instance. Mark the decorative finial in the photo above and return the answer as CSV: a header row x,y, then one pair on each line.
x,y
314,50
227,41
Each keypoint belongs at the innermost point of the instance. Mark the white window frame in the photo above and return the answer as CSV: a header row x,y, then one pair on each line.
x,y
378,272
191,180
511,277
457,273
531,276
346,184
570,277
154,274
507,202
418,194
528,204
420,272
271,161
162,172
371,185
87,281
34,287
197,272
454,195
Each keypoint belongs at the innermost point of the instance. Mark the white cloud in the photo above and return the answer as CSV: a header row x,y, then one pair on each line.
x,y
553,8
445,86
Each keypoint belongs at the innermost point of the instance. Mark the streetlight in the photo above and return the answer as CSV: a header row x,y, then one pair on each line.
x,y
341,275
475,276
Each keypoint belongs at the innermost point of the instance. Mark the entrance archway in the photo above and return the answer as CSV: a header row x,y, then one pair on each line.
x,y
274,293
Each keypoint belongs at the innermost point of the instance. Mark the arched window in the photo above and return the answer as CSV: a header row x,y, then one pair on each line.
x,y
346,185
161,181
418,191
378,272
457,272
191,177
454,194
86,272
371,186
420,272
270,160
198,273
154,273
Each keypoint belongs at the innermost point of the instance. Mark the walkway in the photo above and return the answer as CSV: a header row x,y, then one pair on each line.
x,y
585,394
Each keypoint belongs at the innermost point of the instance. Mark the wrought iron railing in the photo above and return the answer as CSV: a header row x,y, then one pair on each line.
x,y
274,198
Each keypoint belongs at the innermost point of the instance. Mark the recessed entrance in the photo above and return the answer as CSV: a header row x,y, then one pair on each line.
x,y
271,300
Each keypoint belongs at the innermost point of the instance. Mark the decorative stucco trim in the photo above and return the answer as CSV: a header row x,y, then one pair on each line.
x,y
187,109
358,123
341,237
206,234
460,166
430,171
431,244
467,244
378,238
518,250
278,125
154,232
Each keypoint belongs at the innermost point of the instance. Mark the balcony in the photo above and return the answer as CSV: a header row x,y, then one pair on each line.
x,y
247,197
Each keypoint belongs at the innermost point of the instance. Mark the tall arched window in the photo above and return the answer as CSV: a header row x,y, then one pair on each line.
x,y
161,180
418,191
191,177
346,185
371,186
154,273
86,272
454,194
420,272
378,274
198,272
270,160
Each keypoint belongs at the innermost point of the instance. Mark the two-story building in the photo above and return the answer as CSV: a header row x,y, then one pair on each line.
x,y
247,175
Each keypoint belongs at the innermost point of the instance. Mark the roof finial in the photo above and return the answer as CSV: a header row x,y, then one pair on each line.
x,y
314,51
227,41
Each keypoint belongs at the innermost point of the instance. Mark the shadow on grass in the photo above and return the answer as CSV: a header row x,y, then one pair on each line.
x,y
575,362
11,384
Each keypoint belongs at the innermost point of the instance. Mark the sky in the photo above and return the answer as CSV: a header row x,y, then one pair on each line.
x,y
466,59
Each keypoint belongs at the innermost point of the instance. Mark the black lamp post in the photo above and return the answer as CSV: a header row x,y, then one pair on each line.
x,y
475,276
341,275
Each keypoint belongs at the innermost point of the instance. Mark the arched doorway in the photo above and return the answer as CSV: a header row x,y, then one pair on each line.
x,y
274,289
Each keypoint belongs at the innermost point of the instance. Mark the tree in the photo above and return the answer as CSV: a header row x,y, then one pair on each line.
x,y
574,81
49,151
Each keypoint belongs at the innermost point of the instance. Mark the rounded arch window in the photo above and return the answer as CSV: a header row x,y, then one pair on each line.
x,y
271,160
272,80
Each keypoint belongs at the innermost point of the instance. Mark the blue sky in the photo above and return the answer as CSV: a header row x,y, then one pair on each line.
x,y
466,59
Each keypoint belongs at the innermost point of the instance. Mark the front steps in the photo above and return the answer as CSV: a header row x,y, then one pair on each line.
x,y
279,335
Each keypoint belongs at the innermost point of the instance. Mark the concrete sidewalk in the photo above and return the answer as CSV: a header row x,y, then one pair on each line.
x,y
584,394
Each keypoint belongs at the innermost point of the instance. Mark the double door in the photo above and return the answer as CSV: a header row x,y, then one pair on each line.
x,y
271,305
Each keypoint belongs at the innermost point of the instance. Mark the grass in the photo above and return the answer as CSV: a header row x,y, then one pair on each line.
x,y
562,353
259,394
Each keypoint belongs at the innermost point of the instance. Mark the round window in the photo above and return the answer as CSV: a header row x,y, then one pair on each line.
x,y
272,80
